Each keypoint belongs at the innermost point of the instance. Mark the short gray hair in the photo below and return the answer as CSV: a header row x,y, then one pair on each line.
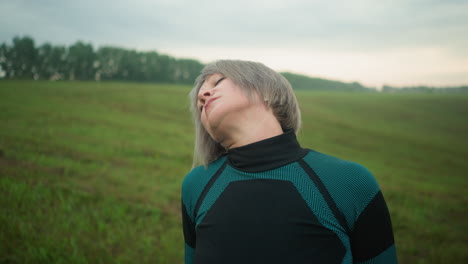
x,y
251,77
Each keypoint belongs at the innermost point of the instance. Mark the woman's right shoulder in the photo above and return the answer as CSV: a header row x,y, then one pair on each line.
x,y
202,174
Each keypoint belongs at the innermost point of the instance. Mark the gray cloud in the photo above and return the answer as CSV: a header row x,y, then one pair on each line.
x,y
360,24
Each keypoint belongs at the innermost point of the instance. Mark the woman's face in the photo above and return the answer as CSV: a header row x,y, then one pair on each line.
x,y
221,104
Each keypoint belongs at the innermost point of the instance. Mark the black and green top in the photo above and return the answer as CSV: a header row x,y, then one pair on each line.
x,y
275,202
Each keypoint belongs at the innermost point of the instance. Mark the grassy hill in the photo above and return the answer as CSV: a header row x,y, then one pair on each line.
x,y
90,172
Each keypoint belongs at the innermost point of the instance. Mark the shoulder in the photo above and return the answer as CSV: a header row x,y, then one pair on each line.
x,y
336,169
198,177
351,185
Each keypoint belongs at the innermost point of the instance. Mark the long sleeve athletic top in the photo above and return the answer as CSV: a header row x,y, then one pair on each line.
x,y
275,202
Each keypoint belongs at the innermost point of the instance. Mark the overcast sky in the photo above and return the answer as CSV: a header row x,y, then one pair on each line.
x,y
375,42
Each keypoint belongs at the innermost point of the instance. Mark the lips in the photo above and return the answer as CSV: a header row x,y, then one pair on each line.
x,y
209,101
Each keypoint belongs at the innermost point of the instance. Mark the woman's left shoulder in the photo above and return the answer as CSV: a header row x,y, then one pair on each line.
x,y
334,168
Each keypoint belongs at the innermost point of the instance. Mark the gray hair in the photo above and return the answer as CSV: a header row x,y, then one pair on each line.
x,y
251,77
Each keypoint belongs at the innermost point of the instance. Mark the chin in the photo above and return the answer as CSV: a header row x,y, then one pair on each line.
x,y
215,135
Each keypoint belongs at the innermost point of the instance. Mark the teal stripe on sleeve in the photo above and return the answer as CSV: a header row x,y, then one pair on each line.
x,y
341,177
195,182
189,253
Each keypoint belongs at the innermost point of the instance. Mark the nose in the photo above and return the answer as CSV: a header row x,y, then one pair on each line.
x,y
203,94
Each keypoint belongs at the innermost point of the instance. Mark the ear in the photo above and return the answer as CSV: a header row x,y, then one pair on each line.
x,y
256,98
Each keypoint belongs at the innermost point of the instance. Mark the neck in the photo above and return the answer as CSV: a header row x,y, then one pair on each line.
x,y
256,126
267,154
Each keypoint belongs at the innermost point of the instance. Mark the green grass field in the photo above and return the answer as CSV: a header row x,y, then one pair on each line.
x,y
90,172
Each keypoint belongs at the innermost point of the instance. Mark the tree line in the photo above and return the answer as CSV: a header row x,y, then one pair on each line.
x,y
80,61
425,89
302,82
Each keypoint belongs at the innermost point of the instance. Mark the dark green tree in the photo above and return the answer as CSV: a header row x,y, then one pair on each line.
x,y
23,58
52,62
80,61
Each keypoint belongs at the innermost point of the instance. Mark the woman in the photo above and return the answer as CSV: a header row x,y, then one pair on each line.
x,y
260,197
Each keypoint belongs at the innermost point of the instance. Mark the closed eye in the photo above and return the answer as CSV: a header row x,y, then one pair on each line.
x,y
217,82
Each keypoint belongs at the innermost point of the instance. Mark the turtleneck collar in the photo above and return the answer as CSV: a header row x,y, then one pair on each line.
x,y
267,154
